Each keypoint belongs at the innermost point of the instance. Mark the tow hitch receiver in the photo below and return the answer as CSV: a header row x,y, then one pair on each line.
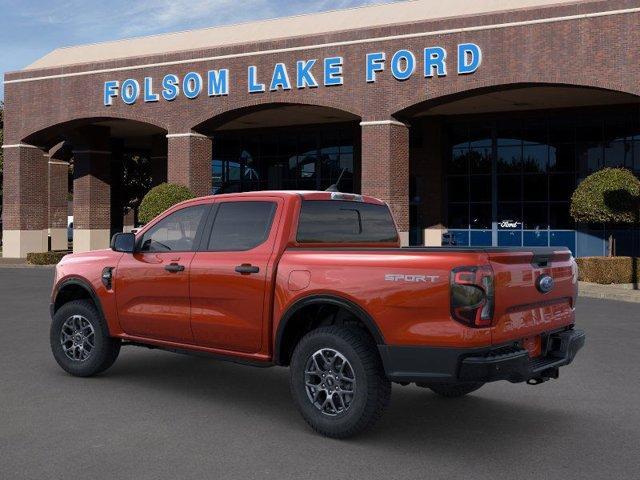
x,y
546,375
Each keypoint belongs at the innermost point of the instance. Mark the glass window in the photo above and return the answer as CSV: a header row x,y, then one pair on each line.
x,y
480,187
559,217
509,159
562,158
295,159
535,188
509,188
535,216
536,238
510,216
335,221
458,189
561,187
174,233
480,159
618,154
535,158
458,215
480,216
459,161
241,226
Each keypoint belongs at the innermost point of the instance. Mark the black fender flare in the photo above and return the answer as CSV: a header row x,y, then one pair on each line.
x,y
85,285
348,305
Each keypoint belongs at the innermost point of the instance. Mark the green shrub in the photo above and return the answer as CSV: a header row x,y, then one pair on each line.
x,y
607,270
609,195
160,198
45,258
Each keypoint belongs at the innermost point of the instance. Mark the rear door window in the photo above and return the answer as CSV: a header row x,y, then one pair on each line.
x,y
336,221
240,226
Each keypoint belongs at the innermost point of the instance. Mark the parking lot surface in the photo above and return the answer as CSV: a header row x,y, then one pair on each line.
x,y
158,415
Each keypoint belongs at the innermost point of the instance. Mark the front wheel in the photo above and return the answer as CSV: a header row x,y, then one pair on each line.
x,y
338,381
79,340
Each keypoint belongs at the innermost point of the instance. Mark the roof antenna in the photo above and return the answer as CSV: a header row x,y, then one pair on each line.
x,y
334,187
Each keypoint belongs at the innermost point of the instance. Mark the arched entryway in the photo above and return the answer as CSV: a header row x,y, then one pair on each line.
x,y
283,147
497,166
100,166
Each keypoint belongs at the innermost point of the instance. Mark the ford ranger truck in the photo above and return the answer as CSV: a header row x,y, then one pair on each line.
x,y
317,281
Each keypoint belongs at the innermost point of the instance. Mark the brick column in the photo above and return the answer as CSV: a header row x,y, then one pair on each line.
x,y
158,160
58,190
24,201
91,190
385,168
189,161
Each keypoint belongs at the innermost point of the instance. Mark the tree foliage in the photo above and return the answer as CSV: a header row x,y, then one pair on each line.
x,y
136,181
162,197
610,196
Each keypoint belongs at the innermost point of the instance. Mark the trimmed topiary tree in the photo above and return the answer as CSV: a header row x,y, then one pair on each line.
x,y
160,198
609,196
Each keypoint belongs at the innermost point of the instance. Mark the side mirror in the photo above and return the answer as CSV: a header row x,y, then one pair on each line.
x,y
123,242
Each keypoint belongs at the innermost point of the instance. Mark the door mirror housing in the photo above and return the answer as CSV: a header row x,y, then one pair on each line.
x,y
123,242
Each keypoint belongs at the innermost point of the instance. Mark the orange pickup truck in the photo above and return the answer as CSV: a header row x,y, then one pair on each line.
x,y
317,281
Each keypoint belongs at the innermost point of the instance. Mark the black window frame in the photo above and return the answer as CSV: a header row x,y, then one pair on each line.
x,y
354,205
208,232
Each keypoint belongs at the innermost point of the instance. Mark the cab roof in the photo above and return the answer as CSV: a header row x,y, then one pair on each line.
x,y
305,194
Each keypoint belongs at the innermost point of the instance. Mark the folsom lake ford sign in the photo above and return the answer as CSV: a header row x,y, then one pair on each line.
x,y
309,73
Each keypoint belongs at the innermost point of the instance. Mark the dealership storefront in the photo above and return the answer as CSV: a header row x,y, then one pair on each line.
x,y
475,124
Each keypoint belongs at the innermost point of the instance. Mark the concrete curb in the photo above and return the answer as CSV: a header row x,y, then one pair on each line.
x,y
621,293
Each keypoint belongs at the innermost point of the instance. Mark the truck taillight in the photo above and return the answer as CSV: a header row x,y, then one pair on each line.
x,y
472,295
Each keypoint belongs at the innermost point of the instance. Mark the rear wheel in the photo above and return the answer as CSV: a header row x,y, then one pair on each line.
x,y
338,382
454,390
79,340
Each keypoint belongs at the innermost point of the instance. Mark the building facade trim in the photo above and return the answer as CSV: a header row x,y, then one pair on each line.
x,y
382,122
181,135
334,44
21,145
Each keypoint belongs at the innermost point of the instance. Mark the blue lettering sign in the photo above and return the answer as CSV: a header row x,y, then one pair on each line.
x,y
149,96
130,91
403,64
304,76
280,78
434,58
110,92
170,87
375,63
333,71
469,58
192,85
254,86
218,81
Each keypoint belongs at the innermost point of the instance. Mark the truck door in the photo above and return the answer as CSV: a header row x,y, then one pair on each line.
x,y
229,275
152,284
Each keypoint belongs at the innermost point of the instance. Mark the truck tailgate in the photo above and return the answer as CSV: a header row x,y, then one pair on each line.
x,y
522,308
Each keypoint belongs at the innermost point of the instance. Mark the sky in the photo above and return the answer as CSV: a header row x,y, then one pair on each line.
x,y
30,29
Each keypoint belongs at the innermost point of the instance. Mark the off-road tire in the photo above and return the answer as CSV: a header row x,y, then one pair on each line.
x,y
105,350
372,388
454,390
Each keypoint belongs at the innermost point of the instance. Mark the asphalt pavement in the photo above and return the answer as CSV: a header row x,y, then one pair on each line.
x,y
157,415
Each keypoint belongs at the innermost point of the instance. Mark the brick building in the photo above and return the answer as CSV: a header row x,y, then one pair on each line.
x,y
465,117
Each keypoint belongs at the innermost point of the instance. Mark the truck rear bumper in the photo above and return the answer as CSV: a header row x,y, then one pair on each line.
x,y
450,365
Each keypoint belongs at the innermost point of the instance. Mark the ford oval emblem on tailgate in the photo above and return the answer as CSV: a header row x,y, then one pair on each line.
x,y
545,283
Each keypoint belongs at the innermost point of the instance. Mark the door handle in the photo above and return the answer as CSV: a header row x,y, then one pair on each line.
x,y
247,269
174,268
